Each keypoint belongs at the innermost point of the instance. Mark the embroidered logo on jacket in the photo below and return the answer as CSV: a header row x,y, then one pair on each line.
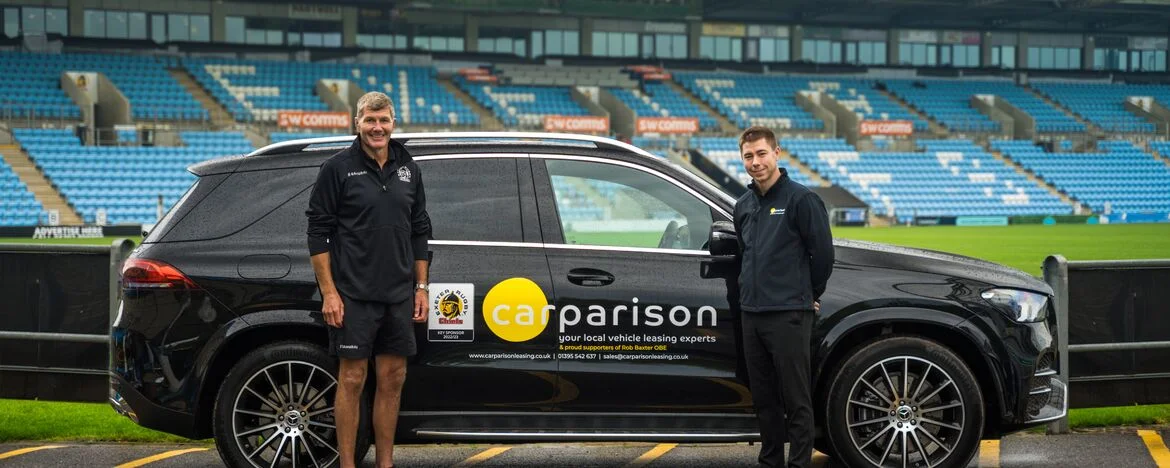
x,y
355,173
404,174
775,212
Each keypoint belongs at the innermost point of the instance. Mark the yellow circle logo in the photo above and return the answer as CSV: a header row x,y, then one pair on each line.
x,y
516,310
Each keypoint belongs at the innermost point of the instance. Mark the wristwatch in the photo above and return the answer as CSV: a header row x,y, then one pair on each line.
x,y
423,286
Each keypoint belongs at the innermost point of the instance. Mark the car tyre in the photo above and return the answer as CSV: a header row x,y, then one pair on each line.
x,y
934,417
257,418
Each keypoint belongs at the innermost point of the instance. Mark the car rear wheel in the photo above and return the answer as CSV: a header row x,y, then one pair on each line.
x,y
905,401
275,409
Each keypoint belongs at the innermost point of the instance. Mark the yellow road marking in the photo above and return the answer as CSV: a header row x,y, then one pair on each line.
x,y
161,456
483,456
1157,448
652,454
25,450
989,454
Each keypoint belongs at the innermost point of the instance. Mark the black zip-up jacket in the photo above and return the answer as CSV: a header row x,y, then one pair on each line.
x,y
786,247
373,222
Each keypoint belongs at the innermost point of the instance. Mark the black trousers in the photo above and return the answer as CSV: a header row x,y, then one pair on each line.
x,y
776,348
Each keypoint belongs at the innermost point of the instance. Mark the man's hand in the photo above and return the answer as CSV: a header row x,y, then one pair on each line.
x,y
421,305
816,306
333,310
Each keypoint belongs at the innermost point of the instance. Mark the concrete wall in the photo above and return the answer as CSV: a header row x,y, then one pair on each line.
x,y
1006,122
621,117
839,121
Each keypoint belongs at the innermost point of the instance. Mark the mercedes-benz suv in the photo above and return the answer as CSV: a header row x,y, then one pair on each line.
x,y
582,289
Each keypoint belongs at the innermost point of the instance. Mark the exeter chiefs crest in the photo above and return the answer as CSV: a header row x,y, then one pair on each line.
x,y
451,317
404,174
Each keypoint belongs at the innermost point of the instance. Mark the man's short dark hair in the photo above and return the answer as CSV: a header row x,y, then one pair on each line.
x,y
755,133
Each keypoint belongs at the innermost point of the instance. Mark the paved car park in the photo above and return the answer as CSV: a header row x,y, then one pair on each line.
x,y
1129,448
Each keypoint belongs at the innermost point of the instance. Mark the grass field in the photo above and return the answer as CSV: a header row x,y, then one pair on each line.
x,y
1023,247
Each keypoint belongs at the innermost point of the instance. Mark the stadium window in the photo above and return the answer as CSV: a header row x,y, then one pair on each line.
x,y
600,46
57,21
12,22
234,30
722,48
706,47
178,27
138,25
768,50
1003,56
158,28
868,53
309,39
33,20
275,38
554,43
946,57
631,44
95,23
201,28
116,25
680,46
537,43
294,39
1059,60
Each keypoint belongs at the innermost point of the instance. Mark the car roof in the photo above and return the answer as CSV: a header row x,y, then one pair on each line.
x,y
460,142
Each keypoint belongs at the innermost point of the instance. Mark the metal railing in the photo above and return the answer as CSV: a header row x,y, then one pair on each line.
x,y
1056,274
118,251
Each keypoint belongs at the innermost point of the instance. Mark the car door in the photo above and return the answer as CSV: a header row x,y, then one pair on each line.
x,y
486,246
639,329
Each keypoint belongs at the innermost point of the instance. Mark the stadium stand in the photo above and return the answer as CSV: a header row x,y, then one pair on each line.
x,y
524,106
258,90
18,206
126,181
1104,104
1119,178
660,100
277,137
752,99
33,84
949,103
948,178
860,97
724,152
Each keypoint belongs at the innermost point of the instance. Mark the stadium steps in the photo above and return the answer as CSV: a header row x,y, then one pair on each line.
x,y
724,124
487,121
1032,177
1165,158
788,160
220,117
1092,128
36,182
935,127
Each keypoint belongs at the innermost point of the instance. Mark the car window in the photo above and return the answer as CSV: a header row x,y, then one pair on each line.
x,y
473,199
612,205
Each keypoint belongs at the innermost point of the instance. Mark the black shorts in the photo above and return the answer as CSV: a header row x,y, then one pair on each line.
x,y
372,328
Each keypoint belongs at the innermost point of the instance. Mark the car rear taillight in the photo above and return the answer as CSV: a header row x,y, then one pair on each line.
x,y
147,273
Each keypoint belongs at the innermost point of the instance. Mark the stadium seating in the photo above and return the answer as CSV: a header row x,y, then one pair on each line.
x,y
522,106
124,180
1120,176
152,92
752,99
947,178
1104,104
258,90
660,100
724,152
18,206
949,103
860,97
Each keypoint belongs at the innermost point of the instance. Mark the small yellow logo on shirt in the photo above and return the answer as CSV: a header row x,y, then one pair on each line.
x,y
774,211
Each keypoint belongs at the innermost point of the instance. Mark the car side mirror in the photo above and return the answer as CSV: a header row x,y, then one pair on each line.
x,y
723,243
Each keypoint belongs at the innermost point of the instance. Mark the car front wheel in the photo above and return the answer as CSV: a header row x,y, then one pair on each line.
x,y
275,409
905,401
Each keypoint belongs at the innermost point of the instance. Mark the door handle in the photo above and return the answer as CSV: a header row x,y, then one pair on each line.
x,y
589,277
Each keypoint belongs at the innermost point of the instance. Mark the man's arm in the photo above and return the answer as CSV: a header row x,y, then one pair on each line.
x,y
420,233
322,215
813,223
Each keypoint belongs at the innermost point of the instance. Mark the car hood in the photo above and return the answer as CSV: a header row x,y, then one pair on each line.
x,y
879,255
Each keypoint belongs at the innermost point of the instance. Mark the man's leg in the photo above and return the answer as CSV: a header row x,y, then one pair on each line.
x,y
351,378
391,373
765,389
792,336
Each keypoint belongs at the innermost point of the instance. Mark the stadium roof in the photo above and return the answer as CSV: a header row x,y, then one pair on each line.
x,y
1105,16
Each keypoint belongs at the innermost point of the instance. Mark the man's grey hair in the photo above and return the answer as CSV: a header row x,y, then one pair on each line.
x,y
374,101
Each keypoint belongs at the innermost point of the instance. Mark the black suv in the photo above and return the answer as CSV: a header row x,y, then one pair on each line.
x,y
583,290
